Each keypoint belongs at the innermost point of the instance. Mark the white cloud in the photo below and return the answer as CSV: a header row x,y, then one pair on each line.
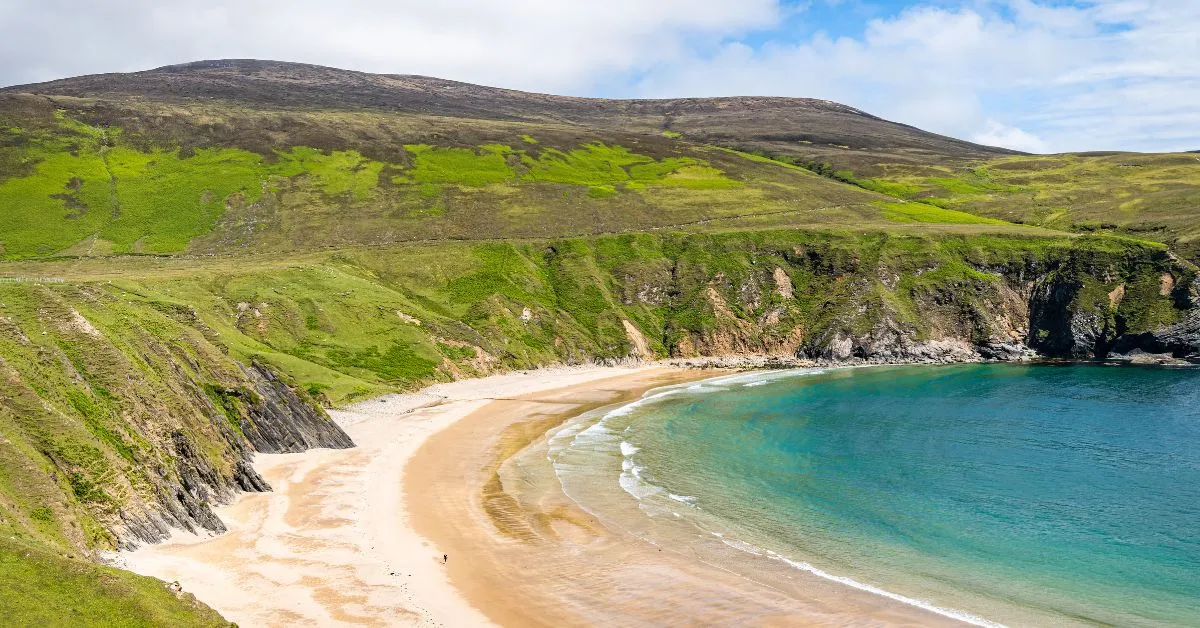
x,y
997,134
1019,73
530,44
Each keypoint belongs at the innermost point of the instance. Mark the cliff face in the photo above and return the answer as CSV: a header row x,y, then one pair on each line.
x,y
119,422
887,301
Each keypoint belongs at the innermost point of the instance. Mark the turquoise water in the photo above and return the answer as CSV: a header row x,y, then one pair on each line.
x,y
1001,494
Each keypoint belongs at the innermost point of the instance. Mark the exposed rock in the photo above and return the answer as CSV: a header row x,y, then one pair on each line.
x,y
1166,284
281,423
411,320
1180,340
1062,327
1007,352
783,284
1137,356
638,347
1115,297
83,325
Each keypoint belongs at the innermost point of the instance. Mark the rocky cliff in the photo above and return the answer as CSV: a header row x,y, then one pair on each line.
x,y
119,422
888,301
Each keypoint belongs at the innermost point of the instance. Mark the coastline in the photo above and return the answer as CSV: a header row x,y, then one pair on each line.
x,y
525,554
333,543
356,537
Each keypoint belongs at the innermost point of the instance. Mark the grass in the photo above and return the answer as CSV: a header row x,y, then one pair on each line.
x,y
80,409
460,166
923,213
599,164
41,588
77,189
360,253
1143,195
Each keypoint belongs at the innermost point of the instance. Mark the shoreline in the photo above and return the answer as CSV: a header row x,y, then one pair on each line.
x,y
525,554
333,543
356,537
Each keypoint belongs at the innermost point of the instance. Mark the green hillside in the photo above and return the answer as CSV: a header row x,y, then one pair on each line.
x,y
1148,196
77,179
195,261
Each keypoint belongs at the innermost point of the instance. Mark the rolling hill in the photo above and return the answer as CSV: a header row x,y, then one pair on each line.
x,y
196,260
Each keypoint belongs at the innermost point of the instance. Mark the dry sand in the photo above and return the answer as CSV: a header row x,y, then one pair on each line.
x,y
356,537
333,544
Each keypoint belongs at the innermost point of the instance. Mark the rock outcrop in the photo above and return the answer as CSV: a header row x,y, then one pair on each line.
x,y
279,422
119,429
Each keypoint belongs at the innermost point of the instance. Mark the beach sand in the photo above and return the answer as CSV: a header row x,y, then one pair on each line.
x,y
357,537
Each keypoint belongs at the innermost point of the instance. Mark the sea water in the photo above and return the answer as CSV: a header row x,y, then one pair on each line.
x,y
994,494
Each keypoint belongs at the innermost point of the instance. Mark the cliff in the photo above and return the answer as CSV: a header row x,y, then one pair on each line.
x,y
120,422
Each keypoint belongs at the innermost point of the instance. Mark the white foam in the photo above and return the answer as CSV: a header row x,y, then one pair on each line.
x,y
962,616
742,546
631,482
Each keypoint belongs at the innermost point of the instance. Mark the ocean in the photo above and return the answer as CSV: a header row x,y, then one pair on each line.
x,y
1002,494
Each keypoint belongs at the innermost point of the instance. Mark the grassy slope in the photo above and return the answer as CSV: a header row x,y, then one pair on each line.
x,y
1148,196
361,321
75,182
39,587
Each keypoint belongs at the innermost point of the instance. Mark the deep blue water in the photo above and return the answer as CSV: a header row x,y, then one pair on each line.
x,y
1069,494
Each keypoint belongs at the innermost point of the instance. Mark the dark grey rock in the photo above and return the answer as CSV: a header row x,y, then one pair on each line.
x,y
280,422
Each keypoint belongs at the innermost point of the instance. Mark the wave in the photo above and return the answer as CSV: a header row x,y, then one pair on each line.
x,y
632,480
951,613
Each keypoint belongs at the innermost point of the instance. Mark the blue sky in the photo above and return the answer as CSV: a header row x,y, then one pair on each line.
x,y
1037,75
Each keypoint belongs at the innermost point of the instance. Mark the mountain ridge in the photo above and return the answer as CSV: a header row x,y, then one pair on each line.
x,y
294,85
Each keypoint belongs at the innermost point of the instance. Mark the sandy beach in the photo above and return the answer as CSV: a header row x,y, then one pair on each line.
x,y
357,537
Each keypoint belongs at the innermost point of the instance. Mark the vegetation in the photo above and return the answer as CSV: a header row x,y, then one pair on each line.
x,y
72,185
42,588
1146,196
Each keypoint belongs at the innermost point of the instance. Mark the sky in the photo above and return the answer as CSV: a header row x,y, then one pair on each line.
x,y
1034,75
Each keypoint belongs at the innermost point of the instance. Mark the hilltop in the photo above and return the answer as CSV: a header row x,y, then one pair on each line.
x,y
367,123
198,259
273,84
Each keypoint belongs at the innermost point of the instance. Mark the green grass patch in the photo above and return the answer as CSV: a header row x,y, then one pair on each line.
x,y
460,166
396,363
338,173
39,587
922,213
899,190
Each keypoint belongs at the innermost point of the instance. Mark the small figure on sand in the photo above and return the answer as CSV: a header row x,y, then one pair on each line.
x,y
445,558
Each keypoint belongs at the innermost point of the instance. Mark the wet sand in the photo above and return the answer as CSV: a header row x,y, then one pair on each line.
x,y
526,555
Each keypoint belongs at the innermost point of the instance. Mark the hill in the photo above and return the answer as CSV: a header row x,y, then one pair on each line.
x,y
196,260
272,84
364,122
287,148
